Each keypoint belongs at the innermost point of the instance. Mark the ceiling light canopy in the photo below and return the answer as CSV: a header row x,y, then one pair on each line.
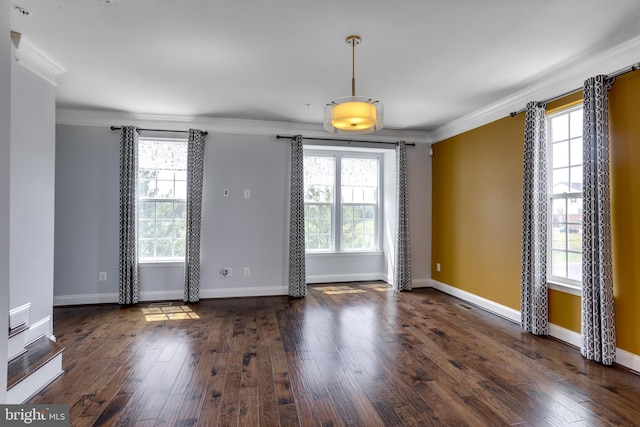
x,y
353,114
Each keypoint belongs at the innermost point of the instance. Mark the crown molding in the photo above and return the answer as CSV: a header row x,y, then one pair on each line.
x,y
561,79
98,118
34,58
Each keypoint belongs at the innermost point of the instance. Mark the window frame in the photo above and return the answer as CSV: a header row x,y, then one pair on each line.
x,y
336,206
560,283
158,260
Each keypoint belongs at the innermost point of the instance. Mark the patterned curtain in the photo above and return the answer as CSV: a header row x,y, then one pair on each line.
x,y
402,278
129,279
534,308
195,175
297,268
598,325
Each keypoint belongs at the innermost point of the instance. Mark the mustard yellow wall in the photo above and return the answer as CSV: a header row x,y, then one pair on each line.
x,y
624,114
565,310
477,198
477,211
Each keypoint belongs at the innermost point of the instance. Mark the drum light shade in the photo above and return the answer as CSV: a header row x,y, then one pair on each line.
x,y
353,114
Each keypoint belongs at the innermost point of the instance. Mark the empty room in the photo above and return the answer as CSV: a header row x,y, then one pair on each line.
x,y
331,213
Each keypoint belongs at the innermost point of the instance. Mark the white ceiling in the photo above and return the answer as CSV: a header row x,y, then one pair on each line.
x,y
431,62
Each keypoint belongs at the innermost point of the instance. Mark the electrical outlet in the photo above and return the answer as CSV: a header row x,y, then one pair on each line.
x,y
247,194
102,276
225,193
247,271
437,266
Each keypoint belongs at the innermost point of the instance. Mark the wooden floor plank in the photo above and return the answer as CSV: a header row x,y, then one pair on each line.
x,y
348,354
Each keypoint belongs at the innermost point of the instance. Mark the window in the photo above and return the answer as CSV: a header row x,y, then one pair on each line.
x,y
565,195
162,192
341,191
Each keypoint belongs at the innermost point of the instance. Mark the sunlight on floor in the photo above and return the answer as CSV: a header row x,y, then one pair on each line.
x,y
157,314
335,290
378,287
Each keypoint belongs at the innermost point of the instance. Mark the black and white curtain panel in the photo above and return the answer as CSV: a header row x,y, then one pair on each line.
x,y
598,323
534,310
297,267
402,280
195,178
129,285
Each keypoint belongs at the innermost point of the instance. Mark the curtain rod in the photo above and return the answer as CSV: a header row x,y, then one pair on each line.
x,y
412,144
157,130
618,73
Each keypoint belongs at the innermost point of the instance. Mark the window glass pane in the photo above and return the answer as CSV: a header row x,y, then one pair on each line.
x,y
574,266
559,128
178,248
317,224
180,229
560,154
575,120
559,263
146,248
560,181
325,212
180,190
559,238
319,178
164,210
162,154
164,229
558,212
165,190
576,151
146,187
359,179
358,227
576,179
574,237
310,211
180,210
147,210
164,248
147,229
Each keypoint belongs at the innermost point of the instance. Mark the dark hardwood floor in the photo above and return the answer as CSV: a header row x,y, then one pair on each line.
x,y
347,354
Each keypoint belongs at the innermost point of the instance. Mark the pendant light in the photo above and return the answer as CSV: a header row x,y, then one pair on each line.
x,y
353,114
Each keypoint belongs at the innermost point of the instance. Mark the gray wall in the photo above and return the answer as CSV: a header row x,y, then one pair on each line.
x,y
236,232
5,179
32,195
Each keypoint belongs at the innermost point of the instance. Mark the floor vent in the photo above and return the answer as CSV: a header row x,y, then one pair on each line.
x,y
161,304
466,307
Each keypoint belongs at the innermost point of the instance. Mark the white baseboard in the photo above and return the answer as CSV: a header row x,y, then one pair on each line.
x,y
20,315
255,291
566,335
628,360
493,307
171,295
421,283
337,278
85,299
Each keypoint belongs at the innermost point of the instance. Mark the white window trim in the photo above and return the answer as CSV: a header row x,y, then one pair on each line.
x,y
338,153
561,284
